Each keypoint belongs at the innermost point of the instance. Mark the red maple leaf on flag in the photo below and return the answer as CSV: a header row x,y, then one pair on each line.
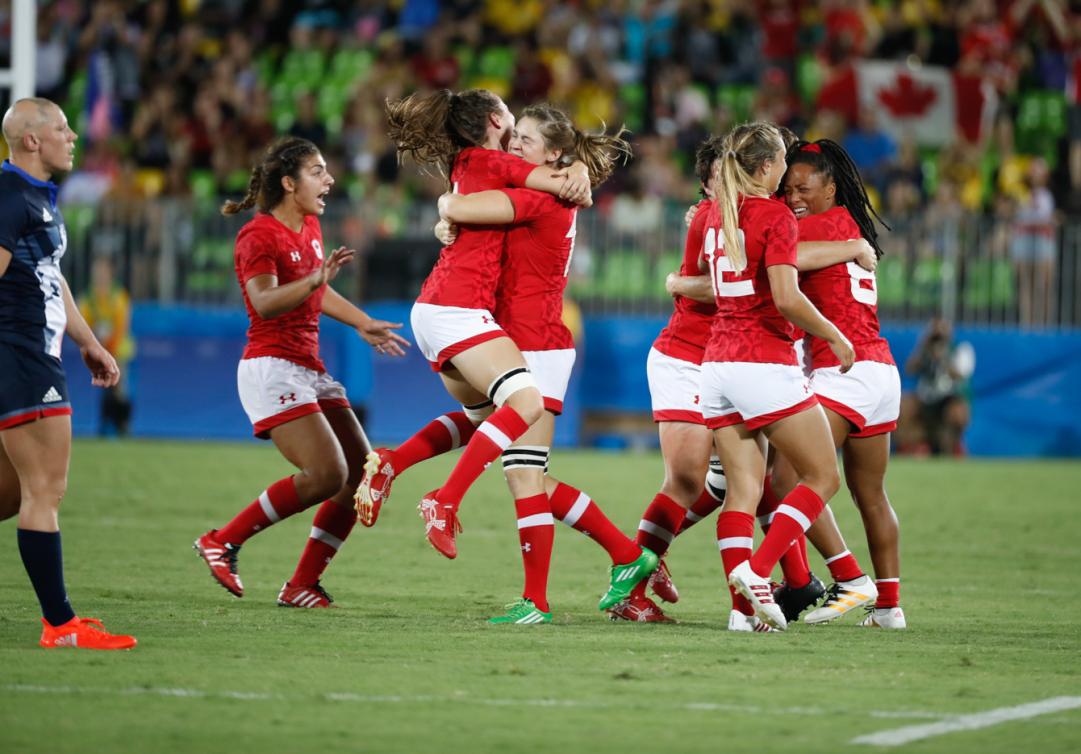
x,y
908,98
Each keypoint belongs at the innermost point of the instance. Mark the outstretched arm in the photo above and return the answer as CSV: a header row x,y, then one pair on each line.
x,y
817,255
377,333
570,183
481,208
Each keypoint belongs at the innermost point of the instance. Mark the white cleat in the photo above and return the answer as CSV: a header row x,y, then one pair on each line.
x,y
884,617
843,597
759,593
737,621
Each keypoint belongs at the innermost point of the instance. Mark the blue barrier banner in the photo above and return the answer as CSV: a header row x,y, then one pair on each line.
x,y
183,380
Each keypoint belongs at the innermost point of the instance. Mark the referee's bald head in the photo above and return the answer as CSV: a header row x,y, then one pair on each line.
x,y
24,117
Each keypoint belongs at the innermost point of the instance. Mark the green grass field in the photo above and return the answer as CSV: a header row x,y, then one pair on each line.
x,y
406,663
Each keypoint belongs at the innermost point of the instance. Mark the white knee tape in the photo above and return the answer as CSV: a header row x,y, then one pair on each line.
x,y
479,412
509,383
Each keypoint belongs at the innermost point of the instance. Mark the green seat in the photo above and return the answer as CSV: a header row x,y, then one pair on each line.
x,y
303,67
808,77
925,288
669,261
632,97
349,66
737,99
203,184
989,284
624,275
496,62
890,282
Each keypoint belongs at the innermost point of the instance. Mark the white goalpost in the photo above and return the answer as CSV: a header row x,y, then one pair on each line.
x,y
20,78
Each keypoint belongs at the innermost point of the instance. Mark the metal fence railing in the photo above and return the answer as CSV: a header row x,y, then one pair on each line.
x,y
971,269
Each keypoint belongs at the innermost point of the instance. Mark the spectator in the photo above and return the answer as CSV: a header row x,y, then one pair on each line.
x,y
942,370
1033,249
107,309
871,148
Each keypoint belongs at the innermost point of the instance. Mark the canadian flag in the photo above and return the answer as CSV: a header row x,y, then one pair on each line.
x,y
936,105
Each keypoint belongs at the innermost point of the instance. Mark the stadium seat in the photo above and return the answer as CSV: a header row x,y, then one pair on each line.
x,y
989,284
349,66
203,184
808,78
925,288
736,99
890,281
625,274
632,98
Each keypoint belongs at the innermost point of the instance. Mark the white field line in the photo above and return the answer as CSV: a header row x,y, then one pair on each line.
x,y
350,697
910,733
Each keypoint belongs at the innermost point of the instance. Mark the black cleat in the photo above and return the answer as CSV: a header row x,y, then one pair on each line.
x,y
794,601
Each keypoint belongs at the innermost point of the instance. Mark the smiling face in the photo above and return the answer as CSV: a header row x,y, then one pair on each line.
x,y
310,188
807,191
527,142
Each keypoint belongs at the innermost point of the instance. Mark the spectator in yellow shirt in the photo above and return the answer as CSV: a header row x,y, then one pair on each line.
x,y
107,309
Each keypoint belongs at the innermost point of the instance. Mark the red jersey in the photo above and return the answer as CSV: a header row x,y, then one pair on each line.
x,y
467,271
748,327
266,247
844,293
529,303
687,331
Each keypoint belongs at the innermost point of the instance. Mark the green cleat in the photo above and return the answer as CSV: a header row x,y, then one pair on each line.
x,y
625,577
522,611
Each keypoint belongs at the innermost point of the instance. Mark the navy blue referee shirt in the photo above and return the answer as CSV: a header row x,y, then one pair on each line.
x,y
31,295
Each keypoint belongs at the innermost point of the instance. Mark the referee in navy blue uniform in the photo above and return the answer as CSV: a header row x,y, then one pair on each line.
x,y
36,309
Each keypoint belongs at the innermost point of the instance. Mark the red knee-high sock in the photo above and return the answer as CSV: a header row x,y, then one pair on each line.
x,y
441,435
659,523
703,506
844,567
735,540
277,501
797,572
574,508
330,528
536,532
889,592
795,513
492,437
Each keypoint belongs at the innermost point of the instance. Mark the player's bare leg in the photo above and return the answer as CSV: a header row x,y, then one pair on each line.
x,y
866,459
334,519
685,448
10,492
38,453
497,368
309,443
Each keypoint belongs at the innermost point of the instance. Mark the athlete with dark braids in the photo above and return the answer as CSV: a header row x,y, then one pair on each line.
x,y
823,188
285,389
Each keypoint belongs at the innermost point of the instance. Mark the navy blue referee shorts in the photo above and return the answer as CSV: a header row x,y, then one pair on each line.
x,y
32,386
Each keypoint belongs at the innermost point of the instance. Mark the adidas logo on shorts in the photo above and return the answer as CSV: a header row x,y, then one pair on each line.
x,y
52,396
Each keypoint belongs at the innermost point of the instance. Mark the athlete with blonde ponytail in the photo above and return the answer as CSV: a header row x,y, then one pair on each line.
x,y
753,389
284,274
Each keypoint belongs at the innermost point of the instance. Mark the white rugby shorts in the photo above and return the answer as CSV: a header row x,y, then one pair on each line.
x,y
443,332
674,386
274,391
868,395
752,394
552,372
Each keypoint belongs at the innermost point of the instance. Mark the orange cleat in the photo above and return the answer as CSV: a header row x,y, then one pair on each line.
x,y
83,633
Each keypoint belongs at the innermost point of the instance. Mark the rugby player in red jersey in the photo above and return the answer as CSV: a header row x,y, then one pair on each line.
x,y
753,389
824,190
284,273
529,307
463,136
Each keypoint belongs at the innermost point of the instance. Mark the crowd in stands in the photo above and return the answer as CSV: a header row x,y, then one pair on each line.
x,y
175,98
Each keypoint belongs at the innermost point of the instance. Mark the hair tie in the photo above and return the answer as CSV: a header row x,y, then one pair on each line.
x,y
732,154
811,148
